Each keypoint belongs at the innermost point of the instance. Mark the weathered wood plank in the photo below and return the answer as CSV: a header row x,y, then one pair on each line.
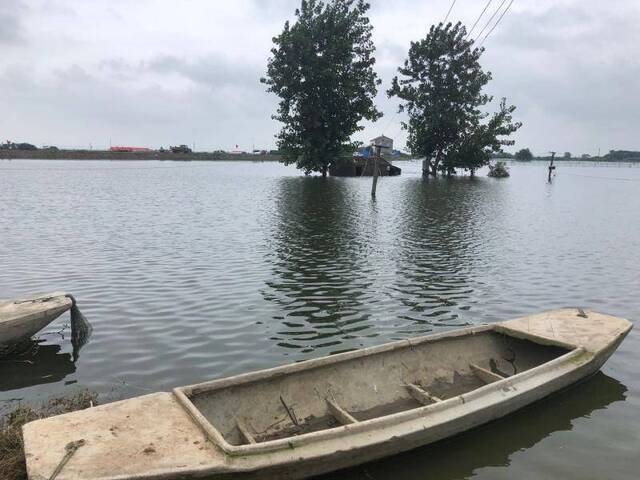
x,y
485,375
340,413
244,431
421,395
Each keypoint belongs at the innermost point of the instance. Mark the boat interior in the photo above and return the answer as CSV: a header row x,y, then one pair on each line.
x,y
380,383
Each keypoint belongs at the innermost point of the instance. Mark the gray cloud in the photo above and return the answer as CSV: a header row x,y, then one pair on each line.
x,y
9,29
11,24
213,71
73,101
156,73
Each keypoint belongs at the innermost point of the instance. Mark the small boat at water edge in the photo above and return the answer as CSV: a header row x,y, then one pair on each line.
x,y
313,417
22,318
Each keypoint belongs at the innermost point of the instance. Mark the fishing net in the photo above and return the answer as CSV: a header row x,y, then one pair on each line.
x,y
81,329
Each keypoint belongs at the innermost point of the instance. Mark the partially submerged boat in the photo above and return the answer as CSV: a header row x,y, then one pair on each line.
x,y
321,415
22,318
363,167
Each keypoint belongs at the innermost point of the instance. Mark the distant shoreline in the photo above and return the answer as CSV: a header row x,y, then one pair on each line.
x,y
568,160
224,156
147,155
128,156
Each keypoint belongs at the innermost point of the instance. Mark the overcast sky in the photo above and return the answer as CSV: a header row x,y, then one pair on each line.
x,y
75,73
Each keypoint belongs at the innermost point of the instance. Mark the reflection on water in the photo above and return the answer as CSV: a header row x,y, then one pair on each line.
x,y
37,364
346,267
320,278
437,254
494,444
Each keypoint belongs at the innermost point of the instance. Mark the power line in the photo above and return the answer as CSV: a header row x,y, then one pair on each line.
x,y
480,17
490,20
503,14
449,12
389,122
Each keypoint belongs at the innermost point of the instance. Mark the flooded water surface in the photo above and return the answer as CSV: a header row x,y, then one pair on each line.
x,y
191,271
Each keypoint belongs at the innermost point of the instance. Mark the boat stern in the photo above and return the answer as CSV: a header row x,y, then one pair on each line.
x,y
599,334
149,437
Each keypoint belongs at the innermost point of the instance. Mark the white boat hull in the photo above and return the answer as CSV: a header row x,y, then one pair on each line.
x,y
190,433
21,319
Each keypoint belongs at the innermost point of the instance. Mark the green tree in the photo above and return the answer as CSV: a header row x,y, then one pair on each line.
x,y
499,170
480,142
567,155
322,70
524,155
441,88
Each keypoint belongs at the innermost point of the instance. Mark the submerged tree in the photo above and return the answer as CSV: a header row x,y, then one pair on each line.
x,y
499,170
441,88
322,70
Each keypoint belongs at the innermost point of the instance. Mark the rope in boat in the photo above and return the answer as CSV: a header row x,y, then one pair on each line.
x,y
70,449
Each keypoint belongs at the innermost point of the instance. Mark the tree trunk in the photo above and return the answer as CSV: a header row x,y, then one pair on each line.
x,y
436,162
324,171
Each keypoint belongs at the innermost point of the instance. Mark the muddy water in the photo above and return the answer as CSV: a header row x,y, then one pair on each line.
x,y
190,271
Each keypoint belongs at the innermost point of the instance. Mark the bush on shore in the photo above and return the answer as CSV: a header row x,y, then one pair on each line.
x,y
12,461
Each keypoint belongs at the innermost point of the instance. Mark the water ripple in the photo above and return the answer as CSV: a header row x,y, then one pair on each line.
x,y
201,271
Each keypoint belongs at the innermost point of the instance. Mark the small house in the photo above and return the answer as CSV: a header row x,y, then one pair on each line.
x,y
362,164
385,144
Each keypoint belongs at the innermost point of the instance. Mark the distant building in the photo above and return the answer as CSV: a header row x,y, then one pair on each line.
x,y
385,143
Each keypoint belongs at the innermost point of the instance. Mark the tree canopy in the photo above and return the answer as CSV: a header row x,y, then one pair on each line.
x,y
524,154
322,69
441,88
17,146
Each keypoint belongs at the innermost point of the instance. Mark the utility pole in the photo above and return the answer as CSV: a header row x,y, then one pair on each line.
x,y
551,166
376,166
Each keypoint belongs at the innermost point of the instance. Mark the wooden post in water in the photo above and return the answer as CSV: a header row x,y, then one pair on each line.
x,y
551,166
376,167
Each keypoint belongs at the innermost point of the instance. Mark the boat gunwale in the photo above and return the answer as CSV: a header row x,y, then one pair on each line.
x,y
290,368
63,303
182,393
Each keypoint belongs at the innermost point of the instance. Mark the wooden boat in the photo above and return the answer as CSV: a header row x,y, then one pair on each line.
x,y
321,415
21,319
